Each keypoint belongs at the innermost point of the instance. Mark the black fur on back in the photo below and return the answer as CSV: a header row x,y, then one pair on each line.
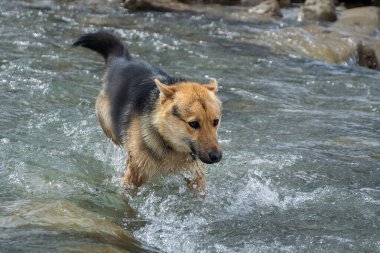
x,y
132,90
129,84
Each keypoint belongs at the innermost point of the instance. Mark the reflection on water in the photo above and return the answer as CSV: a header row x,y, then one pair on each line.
x,y
301,139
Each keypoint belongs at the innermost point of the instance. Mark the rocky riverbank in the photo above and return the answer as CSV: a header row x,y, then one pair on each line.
x,y
325,31
321,30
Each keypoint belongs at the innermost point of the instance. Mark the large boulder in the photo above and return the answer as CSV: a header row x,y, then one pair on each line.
x,y
318,10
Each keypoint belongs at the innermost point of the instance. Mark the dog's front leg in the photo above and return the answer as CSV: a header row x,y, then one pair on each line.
x,y
131,175
198,183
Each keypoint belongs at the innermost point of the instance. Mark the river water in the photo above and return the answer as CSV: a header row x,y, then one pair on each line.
x,y
301,140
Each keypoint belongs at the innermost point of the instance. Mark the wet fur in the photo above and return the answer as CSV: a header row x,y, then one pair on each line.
x,y
148,112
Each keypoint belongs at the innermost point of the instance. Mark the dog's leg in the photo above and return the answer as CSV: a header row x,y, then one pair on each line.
x,y
198,183
131,174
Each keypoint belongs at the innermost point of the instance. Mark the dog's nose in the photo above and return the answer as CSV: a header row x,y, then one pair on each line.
x,y
215,156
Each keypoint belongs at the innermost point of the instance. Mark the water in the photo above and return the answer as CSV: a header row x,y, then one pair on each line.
x,y
301,139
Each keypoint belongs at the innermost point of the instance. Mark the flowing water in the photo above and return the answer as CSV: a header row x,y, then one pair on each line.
x,y
301,139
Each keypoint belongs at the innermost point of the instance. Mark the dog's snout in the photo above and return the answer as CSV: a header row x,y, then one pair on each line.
x,y
215,156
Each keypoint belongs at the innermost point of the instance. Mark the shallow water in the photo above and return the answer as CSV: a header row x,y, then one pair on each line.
x,y
301,139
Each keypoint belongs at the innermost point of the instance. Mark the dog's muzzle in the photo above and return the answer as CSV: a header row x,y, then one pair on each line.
x,y
212,157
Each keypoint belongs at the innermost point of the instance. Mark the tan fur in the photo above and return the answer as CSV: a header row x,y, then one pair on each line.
x,y
143,165
153,154
186,96
103,114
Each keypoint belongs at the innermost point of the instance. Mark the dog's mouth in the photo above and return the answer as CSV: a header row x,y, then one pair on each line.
x,y
212,157
209,158
193,153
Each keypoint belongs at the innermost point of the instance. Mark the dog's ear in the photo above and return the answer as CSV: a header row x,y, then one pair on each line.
x,y
212,85
164,89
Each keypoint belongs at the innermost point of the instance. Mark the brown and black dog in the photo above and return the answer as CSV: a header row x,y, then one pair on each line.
x,y
167,125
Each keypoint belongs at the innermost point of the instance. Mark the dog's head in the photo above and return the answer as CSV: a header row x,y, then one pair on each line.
x,y
188,117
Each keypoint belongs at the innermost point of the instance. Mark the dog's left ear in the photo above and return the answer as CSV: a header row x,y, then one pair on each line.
x,y
212,85
164,89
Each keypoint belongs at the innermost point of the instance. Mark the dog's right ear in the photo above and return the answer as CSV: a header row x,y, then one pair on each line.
x,y
165,90
212,85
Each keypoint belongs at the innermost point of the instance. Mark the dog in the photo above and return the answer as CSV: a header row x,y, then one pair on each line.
x,y
167,125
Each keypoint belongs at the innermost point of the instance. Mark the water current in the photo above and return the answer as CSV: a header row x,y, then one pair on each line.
x,y
301,140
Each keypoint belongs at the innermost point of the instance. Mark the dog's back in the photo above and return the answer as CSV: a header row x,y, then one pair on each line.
x,y
128,84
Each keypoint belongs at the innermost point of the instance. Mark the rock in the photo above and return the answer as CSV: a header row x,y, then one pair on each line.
x,y
363,19
367,57
284,3
354,3
156,5
362,23
172,6
62,218
263,11
318,10
351,43
269,8
251,2
222,2
311,42
375,45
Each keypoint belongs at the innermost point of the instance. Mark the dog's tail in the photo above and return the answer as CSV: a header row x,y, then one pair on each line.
x,y
105,44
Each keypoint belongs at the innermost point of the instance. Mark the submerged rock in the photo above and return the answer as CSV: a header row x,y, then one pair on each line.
x,y
318,10
78,228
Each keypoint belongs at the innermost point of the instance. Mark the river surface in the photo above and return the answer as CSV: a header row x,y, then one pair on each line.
x,y
301,139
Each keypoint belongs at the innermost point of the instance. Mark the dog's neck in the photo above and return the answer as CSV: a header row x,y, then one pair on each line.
x,y
155,143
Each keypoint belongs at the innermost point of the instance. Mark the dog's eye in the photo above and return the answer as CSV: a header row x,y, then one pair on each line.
x,y
194,124
215,122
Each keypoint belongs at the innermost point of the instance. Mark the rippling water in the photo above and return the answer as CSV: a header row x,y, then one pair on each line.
x,y
301,168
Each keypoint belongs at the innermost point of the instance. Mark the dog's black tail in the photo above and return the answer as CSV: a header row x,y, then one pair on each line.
x,y
104,43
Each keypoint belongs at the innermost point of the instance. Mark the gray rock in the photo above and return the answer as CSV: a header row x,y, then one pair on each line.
x,y
318,10
269,8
